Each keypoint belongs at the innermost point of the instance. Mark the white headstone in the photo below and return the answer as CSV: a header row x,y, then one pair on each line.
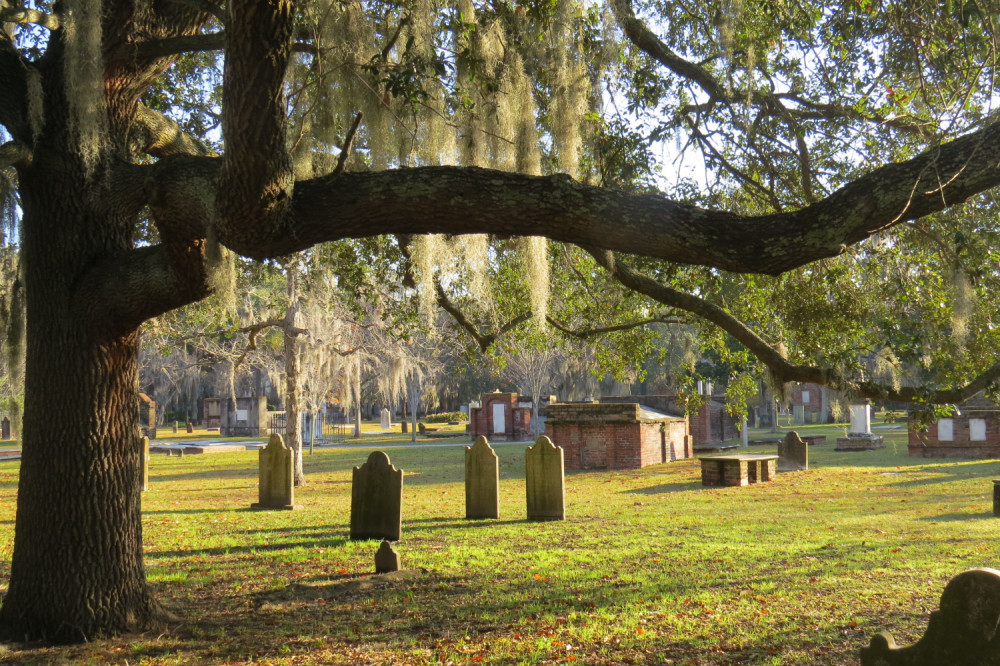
x,y
386,419
861,419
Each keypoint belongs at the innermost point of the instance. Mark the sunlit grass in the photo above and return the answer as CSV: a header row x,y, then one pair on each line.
x,y
649,567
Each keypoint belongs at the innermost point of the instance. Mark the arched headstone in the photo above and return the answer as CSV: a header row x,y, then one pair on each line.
x,y
544,478
377,499
482,481
277,486
966,629
793,453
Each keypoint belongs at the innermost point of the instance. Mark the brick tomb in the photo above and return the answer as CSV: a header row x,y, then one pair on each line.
x,y
970,434
500,417
616,436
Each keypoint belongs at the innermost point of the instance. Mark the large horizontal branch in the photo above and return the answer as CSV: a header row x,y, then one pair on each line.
x,y
24,15
783,370
460,200
160,136
14,153
121,293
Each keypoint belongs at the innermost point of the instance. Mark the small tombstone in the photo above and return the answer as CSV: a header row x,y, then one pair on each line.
x,y
386,419
277,487
403,427
190,428
482,481
175,427
5,428
421,428
966,629
144,464
386,558
377,499
545,481
793,453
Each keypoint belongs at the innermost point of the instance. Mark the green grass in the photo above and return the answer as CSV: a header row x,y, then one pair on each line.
x,y
649,567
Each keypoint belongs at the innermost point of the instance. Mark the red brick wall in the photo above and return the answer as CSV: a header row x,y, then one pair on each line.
x,y
611,436
518,425
926,444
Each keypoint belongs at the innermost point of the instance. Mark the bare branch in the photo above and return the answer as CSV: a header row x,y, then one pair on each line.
x,y
345,150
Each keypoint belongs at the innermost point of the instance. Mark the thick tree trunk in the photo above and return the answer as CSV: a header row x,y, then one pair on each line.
x,y
77,569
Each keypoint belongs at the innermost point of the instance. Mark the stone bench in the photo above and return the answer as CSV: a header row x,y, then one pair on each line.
x,y
737,470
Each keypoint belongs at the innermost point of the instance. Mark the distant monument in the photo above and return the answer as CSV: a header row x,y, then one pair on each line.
x,y
860,437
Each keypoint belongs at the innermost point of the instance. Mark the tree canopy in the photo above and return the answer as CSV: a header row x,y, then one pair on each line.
x,y
846,158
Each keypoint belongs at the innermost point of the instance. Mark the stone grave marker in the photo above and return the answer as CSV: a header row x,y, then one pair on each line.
x,y
5,428
175,427
966,629
386,419
386,558
144,464
545,481
377,499
277,487
482,481
793,453
190,428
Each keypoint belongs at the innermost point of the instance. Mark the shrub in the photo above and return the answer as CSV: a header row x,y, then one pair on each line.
x,y
445,417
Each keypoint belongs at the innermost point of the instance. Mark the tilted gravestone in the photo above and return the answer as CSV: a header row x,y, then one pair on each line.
x,y
545,481
386,558
277,485
482,481
386,419
144,464
966,629
793,453
377,499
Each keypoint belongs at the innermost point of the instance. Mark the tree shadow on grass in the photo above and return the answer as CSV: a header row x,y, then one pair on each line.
x,y
957,517
329,542
665,488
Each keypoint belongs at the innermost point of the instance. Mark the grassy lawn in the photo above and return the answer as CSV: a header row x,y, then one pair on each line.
x,y
649,567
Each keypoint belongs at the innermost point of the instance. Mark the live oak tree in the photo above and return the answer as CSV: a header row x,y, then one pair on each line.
x,y
788,103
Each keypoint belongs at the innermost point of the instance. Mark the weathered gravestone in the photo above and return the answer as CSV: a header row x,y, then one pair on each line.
x,y
545,481
144,464
277,487
386,558
482,481
377,499
190,427
965,631
793,453
386,419
175,427
5,428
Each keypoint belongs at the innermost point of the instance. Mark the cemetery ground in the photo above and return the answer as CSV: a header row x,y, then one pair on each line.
x,y
648,567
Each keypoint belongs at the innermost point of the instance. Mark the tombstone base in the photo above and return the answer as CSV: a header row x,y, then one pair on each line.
x,y
859,442
257,506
